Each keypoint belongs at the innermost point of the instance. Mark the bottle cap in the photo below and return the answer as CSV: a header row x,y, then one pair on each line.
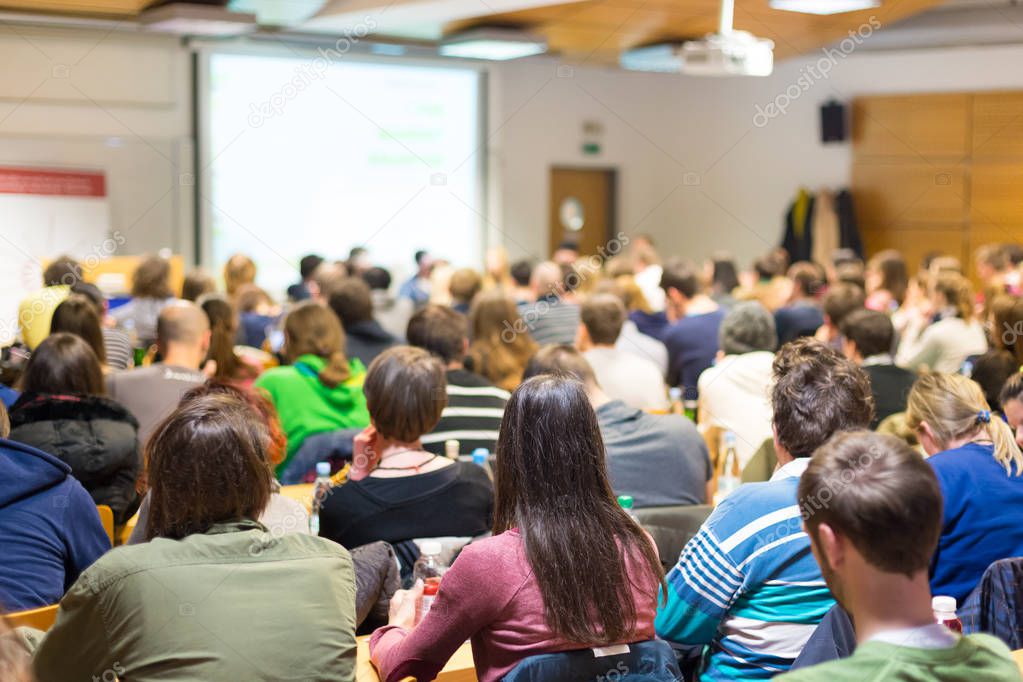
x,y
675,393
323,468
429,547
625,501
480,455
451,448
944,604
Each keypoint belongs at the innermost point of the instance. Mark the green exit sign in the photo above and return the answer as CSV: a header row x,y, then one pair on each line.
x,y
591,148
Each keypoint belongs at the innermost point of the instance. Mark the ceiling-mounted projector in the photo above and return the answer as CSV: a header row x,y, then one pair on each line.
x,y
725,53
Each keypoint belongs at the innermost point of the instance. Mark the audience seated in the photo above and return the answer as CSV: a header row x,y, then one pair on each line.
x,y
860,495
306,267
1005,316
1011,400
722,277
501,344
623,375
641,315
658,460
258,315
151,393
630,338
841,299
63,412
734,392
552,317
320,389
364,337
647,270
978,465
944,334
692,337
531,589
391,312
49,527
868,338
886,281
398,491
116,344
521,274
475,406
223,362
802,315
281,514
465,284
417,287
150,292
212,595
196,284
36,310
747,584
76,315
239,270
990,371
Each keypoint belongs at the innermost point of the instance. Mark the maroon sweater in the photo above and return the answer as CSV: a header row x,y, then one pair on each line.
x,y
490,596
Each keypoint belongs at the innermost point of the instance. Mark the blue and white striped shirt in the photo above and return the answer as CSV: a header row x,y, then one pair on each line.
x,y
747,585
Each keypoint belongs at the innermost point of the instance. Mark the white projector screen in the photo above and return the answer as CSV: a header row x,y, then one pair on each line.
x,y
313,155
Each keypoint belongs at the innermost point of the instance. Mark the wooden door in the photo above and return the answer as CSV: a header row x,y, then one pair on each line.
x,y
582,208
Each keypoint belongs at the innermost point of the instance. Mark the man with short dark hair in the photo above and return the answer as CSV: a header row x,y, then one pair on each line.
x,y
692,338
658,460
306,267
391,312
36,310
623,375
802,315
747,585
842,299
151,393
521,272
873,510
868,340
475,406
364,337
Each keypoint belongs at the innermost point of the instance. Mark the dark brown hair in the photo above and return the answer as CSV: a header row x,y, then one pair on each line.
x,y
351,301
224,327
808,277
197,283
151,278
1007,318
816,394
894,274
76,314
560,360
64,270
406,392
312,329
870,330
842,298
440,330
957,292
603,316
680,275
880,494
63,363
206,464
259,402
552,486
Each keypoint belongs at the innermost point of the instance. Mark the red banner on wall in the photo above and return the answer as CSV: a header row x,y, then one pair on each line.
x,y
52,182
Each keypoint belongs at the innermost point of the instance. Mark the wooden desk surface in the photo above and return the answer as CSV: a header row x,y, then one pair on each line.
x,y
300,492
1018,657
459,669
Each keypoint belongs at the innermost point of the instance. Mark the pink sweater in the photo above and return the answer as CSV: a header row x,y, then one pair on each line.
x,y
489,596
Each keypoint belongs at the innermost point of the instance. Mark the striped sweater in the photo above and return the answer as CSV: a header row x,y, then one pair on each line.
x,y
747,585
472,416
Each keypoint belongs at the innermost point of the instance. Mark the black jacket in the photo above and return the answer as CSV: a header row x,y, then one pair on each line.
x,y
891,386
366,339
95,436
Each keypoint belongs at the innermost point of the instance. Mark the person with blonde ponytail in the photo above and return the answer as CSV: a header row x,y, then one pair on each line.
x,y
945,331
979,467
320,389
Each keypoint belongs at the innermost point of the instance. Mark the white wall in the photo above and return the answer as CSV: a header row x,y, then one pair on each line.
x,y
694,171
659,127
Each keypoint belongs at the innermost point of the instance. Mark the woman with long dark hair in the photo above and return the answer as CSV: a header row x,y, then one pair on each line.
x,y
566,568
63,410
229,366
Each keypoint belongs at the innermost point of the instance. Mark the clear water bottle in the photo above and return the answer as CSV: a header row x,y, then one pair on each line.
x,y
729,472
429,569
945,613
627,503
452,448
321,488
481,457
675,400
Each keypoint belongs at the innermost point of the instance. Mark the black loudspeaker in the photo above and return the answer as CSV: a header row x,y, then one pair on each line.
x,y
833,122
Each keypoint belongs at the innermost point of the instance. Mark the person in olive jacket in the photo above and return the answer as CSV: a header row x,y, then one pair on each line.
x,y
62,411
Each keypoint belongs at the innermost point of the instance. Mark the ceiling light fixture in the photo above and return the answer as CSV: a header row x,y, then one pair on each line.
x,y
495,44
824,7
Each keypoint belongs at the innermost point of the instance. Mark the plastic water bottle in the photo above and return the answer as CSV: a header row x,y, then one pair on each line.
x,y
945,613
452,448
481,456
321,488
626,502
729,474
675,400
429,569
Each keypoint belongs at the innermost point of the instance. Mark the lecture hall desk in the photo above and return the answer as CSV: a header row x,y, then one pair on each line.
x,y
459,669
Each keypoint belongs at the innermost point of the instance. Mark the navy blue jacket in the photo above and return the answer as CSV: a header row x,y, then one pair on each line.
x,y
49,528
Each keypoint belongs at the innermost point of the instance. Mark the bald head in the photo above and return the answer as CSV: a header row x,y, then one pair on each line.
x,y
546,279
182,323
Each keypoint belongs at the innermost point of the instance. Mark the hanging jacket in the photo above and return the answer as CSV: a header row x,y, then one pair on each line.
x,y
848,230
824,236
95,436
798,239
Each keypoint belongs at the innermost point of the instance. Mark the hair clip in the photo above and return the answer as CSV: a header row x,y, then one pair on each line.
x,y
984,416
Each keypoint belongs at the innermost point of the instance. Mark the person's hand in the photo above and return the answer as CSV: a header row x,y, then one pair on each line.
x,y
365,454
403,606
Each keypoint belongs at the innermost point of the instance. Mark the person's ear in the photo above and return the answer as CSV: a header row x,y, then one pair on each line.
x,y
582,337
832,547
928,439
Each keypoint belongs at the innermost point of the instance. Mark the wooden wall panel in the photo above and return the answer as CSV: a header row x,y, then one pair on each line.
x,y
915,242
888,194
996,196
998,125
912,126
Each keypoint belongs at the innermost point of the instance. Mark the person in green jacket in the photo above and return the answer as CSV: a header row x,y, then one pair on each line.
x,y
320,389
213,595
873,510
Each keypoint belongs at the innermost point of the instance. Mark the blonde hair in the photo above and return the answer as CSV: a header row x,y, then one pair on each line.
x,y
238,270
957,292
501,344
954,408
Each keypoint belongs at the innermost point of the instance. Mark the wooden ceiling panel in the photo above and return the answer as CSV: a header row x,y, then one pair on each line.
x,y
107,8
